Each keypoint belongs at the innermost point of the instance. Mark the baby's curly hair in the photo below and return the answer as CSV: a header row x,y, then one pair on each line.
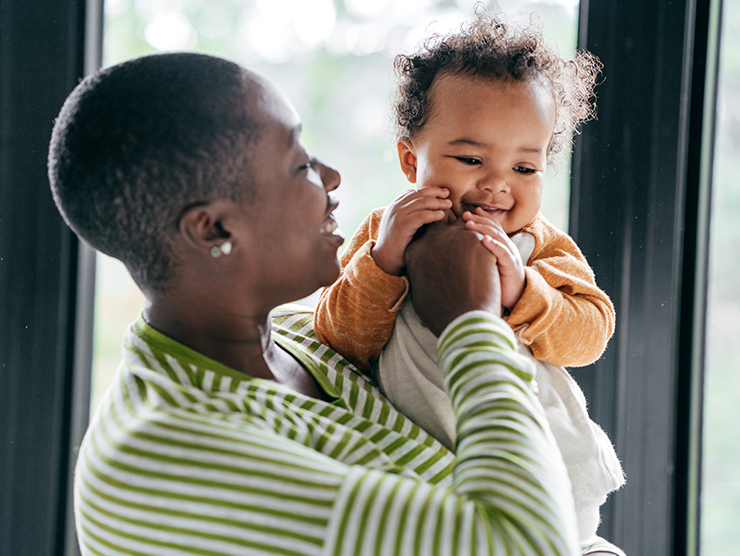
x,y
491,48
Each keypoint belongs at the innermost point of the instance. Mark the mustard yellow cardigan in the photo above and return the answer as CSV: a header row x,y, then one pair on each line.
x,y
562,315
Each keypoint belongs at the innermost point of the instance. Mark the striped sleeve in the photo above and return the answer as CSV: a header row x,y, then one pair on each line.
x,y
510,493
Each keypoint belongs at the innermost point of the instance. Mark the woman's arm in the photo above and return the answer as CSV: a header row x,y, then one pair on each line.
x,y
186,456
510,493
170,468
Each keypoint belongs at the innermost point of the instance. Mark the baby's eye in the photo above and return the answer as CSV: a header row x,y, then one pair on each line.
x,y
524,170
468,160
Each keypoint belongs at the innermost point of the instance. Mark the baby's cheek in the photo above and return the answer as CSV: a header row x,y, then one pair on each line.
x,y
425,177
441,179
426,181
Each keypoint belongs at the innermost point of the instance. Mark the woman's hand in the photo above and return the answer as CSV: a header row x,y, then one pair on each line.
x,y
451,273
510,266
401,219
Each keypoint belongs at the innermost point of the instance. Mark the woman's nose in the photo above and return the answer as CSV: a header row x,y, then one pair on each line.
x,y
329,176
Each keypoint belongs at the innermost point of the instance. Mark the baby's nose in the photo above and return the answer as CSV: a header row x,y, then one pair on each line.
x,y
494,182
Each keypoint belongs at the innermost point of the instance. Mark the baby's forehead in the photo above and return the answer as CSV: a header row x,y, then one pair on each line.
x,y
460,98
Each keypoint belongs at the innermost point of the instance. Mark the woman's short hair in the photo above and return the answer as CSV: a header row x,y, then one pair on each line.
x,y
137,144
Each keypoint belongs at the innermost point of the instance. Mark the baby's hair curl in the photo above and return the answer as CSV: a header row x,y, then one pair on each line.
x,y
491,48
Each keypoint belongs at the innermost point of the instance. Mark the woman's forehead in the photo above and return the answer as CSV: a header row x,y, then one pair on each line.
x,y
269,104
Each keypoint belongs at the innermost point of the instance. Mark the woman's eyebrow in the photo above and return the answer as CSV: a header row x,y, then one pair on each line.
x,y
294,134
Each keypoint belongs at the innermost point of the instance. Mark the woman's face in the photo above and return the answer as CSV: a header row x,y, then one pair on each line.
x,y
292,236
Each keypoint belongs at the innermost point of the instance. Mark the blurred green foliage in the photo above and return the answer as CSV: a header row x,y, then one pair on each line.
x,y
340,86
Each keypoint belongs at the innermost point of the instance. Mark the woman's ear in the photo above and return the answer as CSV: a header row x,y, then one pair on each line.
x,y
407,158
203,226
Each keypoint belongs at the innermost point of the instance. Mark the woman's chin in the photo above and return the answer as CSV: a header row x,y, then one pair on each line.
x,y
337,270
310,297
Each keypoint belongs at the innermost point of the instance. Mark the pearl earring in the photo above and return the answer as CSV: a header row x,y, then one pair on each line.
x,y
223,249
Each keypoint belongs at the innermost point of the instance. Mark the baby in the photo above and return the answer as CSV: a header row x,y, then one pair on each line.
x,y
479,115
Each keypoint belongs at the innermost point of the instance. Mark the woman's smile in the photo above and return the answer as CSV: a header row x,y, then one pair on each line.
x,y
329,228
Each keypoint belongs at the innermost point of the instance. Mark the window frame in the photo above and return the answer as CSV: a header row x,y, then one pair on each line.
x,y
46,276
639,211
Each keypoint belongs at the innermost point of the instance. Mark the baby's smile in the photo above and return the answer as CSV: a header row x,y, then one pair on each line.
x,y
493,210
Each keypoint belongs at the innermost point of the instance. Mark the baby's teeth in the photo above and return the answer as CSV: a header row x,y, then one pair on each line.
x,y
329,227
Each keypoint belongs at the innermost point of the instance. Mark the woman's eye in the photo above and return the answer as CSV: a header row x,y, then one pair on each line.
x,y
524,170
467,160
308,165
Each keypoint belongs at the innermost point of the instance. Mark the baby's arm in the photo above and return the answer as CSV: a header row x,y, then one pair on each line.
x,y
356,314
561,314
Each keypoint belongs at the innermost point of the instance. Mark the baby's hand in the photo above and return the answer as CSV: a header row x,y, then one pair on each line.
x,y
402,218
510,266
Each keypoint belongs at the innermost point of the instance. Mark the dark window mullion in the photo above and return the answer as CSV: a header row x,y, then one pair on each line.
x,y
42,327
639,212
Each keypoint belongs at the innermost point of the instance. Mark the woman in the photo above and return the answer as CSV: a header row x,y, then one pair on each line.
x,y
229,429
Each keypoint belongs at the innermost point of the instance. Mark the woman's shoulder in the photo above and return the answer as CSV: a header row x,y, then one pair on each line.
x,y
293,329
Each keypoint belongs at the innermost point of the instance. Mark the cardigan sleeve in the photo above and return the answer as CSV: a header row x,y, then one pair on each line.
x,y
355,315
562,314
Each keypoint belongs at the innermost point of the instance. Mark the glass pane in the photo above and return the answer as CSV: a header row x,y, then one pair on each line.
x,y
720,498
333,60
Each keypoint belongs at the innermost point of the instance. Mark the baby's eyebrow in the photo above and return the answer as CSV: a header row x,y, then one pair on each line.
x,y
465,141
473,143
534,150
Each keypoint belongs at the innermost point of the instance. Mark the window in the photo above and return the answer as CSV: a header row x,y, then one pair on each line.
x,y
627,200
333,59
720,497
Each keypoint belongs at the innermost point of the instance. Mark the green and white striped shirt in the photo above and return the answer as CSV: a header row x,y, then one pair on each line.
x,y
187,456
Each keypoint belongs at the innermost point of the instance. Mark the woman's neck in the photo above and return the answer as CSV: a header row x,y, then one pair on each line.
x,y
241,342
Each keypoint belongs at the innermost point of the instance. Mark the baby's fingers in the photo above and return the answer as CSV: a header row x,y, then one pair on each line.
x,y
416,219
485,225
508,259
425,203
433,191
496,247
425,192
483,218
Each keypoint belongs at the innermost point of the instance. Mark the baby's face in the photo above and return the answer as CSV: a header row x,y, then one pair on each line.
x,y
486,141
